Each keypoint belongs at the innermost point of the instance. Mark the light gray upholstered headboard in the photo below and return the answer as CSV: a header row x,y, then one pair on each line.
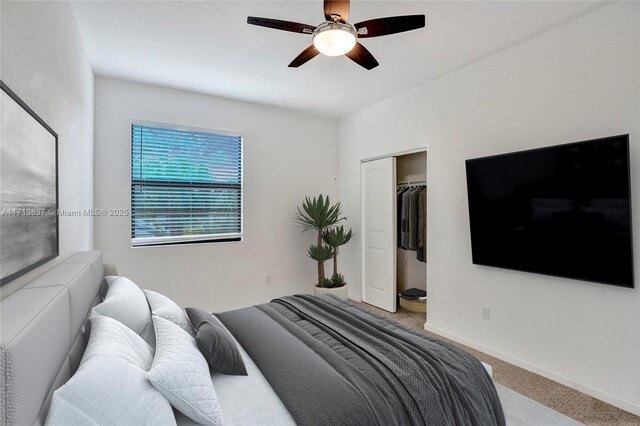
x,y
42,336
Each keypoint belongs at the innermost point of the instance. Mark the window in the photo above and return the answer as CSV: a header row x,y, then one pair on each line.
x,y
186,186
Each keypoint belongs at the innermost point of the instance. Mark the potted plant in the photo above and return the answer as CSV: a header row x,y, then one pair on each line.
x,y
318,214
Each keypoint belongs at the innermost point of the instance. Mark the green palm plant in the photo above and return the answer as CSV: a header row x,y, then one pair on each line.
x,y
320,253
319,214
336,237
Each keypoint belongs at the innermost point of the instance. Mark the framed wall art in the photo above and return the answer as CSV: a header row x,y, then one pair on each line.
x,y
28,188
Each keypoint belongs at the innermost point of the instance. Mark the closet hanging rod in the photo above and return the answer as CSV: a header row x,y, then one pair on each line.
x,y
409,183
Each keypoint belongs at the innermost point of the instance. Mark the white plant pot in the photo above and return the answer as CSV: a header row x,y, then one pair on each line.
x,y
341,292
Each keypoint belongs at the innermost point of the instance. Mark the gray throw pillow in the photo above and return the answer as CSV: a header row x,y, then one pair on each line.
x,y
216,344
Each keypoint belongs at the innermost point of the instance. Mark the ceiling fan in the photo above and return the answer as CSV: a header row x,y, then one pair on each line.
x,y
336,36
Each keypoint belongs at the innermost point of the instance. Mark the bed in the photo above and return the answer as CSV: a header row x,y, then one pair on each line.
x,y
309,360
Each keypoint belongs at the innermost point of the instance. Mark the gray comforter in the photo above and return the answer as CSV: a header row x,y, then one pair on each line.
x,y
333,363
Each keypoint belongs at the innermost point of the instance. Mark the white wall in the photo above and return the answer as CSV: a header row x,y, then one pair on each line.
x,y
576,82
43,60
287,155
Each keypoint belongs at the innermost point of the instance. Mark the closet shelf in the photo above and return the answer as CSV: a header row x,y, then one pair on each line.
x,y
411,183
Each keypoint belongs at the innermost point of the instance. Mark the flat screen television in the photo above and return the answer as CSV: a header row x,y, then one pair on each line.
x,y
563,210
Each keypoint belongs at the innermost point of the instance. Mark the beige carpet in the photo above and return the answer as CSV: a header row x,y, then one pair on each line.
x,y
563,399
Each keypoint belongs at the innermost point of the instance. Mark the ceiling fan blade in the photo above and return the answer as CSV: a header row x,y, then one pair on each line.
x,y
306,55
340,7
361,56
277,24
391,25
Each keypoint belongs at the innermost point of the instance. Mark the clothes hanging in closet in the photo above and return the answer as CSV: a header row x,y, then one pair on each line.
x,y
421,254
403,240
413,218
399,193
411,203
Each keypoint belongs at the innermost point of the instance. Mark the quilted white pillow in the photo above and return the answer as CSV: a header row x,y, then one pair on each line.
x,y
125,302
110,386
181,374
166,308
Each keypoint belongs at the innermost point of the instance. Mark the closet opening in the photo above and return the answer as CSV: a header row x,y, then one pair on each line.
x,y
394,231
411,222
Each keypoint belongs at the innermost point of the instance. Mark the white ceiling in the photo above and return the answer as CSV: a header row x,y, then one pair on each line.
x,y
207,47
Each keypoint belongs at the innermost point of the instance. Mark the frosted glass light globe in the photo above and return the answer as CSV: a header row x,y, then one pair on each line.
x,y
334,39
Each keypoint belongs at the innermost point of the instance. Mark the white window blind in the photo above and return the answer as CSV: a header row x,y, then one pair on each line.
x,y
186,186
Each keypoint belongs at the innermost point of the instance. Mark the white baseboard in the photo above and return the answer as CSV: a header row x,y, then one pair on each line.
x,y
603,396
354,298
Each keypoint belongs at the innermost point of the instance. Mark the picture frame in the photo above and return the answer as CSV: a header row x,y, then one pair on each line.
x,y
29,223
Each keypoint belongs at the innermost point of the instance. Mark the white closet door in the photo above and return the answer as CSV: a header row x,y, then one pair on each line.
x,y
379,233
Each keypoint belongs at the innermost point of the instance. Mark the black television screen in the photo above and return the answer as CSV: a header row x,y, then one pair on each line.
x,y
563,211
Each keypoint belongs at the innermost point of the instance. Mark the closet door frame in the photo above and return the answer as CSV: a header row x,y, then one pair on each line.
x,y
397,154
362,250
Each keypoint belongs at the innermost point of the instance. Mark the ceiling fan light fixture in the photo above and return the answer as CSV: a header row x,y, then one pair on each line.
x,y
334,38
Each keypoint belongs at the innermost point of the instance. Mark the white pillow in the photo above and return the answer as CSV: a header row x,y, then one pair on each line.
x,y
166,308
181,374
125,302
112,339
110,386
109,391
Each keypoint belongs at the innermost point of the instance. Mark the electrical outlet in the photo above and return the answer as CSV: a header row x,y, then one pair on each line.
x,y
486,313
267,279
